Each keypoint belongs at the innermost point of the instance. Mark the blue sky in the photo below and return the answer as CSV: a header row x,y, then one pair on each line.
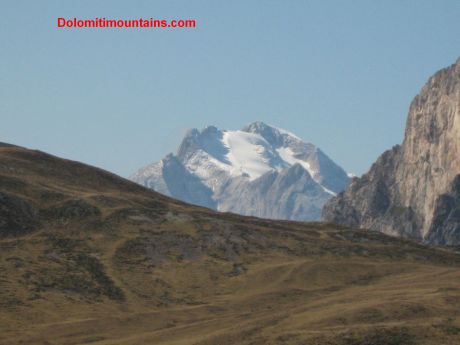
x,y
340,74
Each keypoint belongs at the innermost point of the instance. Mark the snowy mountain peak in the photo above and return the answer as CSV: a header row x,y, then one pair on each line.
x,y
222,161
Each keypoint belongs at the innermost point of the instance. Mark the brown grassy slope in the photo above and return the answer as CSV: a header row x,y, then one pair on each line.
x,y
89,258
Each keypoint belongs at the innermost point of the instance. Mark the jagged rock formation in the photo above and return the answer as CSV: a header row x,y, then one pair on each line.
x,y
412,189
260,170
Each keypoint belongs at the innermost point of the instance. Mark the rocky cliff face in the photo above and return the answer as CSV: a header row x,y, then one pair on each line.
x,y
412,189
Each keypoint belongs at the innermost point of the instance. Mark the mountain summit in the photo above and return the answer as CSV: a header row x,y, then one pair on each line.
x,y
260,170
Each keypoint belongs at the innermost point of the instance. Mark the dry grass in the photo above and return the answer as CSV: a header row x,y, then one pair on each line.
x,y
103,261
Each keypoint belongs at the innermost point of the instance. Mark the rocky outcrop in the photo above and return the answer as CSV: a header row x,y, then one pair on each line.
x,y
411,190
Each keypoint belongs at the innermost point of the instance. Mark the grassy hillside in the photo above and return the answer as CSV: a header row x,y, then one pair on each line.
x,y
89,258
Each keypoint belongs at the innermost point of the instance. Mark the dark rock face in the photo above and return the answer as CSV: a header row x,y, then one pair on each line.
x,y
410,190
17,216
445,228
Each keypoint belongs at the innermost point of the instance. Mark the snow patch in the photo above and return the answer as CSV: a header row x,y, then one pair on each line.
x,y
288,156
248,153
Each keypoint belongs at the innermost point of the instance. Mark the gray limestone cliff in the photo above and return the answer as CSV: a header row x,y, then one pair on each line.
x,y
412,189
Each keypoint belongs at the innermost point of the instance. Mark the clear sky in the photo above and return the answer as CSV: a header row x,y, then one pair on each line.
x,y
340,74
